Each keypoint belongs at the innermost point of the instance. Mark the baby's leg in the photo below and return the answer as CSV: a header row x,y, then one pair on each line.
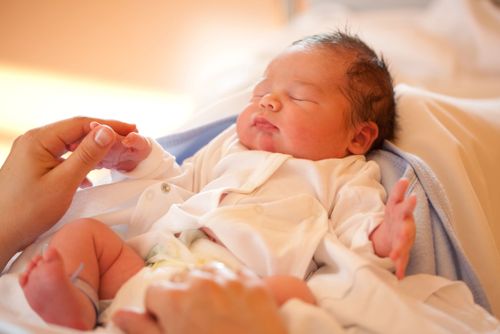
x,y
51,294
107,262
284,288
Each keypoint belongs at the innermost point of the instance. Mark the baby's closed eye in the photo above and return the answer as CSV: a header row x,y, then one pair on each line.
x,y
303,95
300,98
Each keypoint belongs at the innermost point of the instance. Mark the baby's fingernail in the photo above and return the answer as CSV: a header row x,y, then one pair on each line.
x,y
103,136
94,124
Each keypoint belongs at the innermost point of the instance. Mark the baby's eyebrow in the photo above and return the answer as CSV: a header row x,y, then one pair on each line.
x,y
304,83
308,85
261,83
260,80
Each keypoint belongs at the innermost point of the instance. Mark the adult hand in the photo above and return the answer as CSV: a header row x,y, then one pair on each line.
x,y
206,302
37,185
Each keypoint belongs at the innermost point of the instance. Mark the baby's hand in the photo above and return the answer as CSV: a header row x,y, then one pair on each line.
x,y
124,155
127,152
396,235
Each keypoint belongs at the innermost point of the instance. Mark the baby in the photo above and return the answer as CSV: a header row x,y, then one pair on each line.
x,y
291,171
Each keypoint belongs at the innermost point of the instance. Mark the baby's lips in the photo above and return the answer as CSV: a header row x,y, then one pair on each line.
x,y
263,123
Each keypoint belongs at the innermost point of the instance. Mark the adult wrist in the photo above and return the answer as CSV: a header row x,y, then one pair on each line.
x,y
9,244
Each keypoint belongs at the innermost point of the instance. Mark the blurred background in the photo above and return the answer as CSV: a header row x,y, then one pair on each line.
x,y
147,62
136,61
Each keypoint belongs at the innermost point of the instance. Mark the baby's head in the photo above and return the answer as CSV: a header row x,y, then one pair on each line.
x,y
325,96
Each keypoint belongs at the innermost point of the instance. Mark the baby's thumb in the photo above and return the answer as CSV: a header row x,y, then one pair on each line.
x,y
87,155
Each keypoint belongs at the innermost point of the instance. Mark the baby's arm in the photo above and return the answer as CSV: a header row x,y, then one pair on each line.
x,y
395,236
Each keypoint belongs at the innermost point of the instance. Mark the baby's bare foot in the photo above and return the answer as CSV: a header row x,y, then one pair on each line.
x,y
51,294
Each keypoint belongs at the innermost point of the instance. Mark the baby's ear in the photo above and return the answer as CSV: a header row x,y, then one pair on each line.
x,y
363,136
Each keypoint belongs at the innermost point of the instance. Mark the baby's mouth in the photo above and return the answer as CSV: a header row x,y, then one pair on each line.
x,y
263,124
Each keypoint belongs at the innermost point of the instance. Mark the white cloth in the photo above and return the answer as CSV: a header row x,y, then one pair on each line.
x,y
272,210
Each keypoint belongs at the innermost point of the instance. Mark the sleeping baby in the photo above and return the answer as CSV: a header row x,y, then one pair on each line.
x,y
263,195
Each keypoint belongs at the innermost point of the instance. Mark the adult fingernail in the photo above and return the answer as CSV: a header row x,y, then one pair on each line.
x,y
103,136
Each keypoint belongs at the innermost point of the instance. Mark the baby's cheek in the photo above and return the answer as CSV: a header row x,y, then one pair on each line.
x,y
243,130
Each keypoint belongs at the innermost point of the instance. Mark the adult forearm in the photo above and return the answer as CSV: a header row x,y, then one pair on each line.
x,y
19,223
6,253
9,242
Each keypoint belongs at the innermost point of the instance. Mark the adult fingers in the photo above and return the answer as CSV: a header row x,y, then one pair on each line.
x,y
132,322
217,271
120,128
87,155
57,137
159,296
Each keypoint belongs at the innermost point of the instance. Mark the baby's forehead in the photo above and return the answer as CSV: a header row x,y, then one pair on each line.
x,y
327,51
318,65
319,55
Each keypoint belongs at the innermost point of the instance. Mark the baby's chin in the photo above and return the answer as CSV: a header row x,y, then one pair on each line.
x,y
257,147
265,143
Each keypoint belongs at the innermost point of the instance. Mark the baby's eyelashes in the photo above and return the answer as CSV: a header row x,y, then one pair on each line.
x,y
258,97
303,99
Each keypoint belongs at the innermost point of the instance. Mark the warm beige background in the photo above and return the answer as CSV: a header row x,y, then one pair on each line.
x,y
154,43
120,58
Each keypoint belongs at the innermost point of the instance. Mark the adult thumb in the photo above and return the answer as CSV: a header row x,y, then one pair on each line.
x,y
132,322
92,149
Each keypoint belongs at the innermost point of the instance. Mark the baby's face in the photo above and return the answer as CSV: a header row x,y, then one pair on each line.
x,y
297,107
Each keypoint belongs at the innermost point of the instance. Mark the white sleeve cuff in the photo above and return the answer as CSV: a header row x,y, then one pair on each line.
x,y
156,164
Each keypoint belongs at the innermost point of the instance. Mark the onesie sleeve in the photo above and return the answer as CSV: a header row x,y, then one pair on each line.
x,y
358,207
158,165
195,171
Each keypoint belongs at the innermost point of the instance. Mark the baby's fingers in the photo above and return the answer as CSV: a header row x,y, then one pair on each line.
x,y
400,255
401,264
398,191
409,205
400,252
135,141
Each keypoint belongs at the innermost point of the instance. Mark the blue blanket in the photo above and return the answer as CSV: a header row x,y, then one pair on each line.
x,y
436,251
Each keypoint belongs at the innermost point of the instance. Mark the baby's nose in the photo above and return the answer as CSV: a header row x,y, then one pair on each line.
x,y
270,102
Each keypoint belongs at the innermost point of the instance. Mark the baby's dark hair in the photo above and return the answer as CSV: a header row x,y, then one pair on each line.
x,y
369,85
